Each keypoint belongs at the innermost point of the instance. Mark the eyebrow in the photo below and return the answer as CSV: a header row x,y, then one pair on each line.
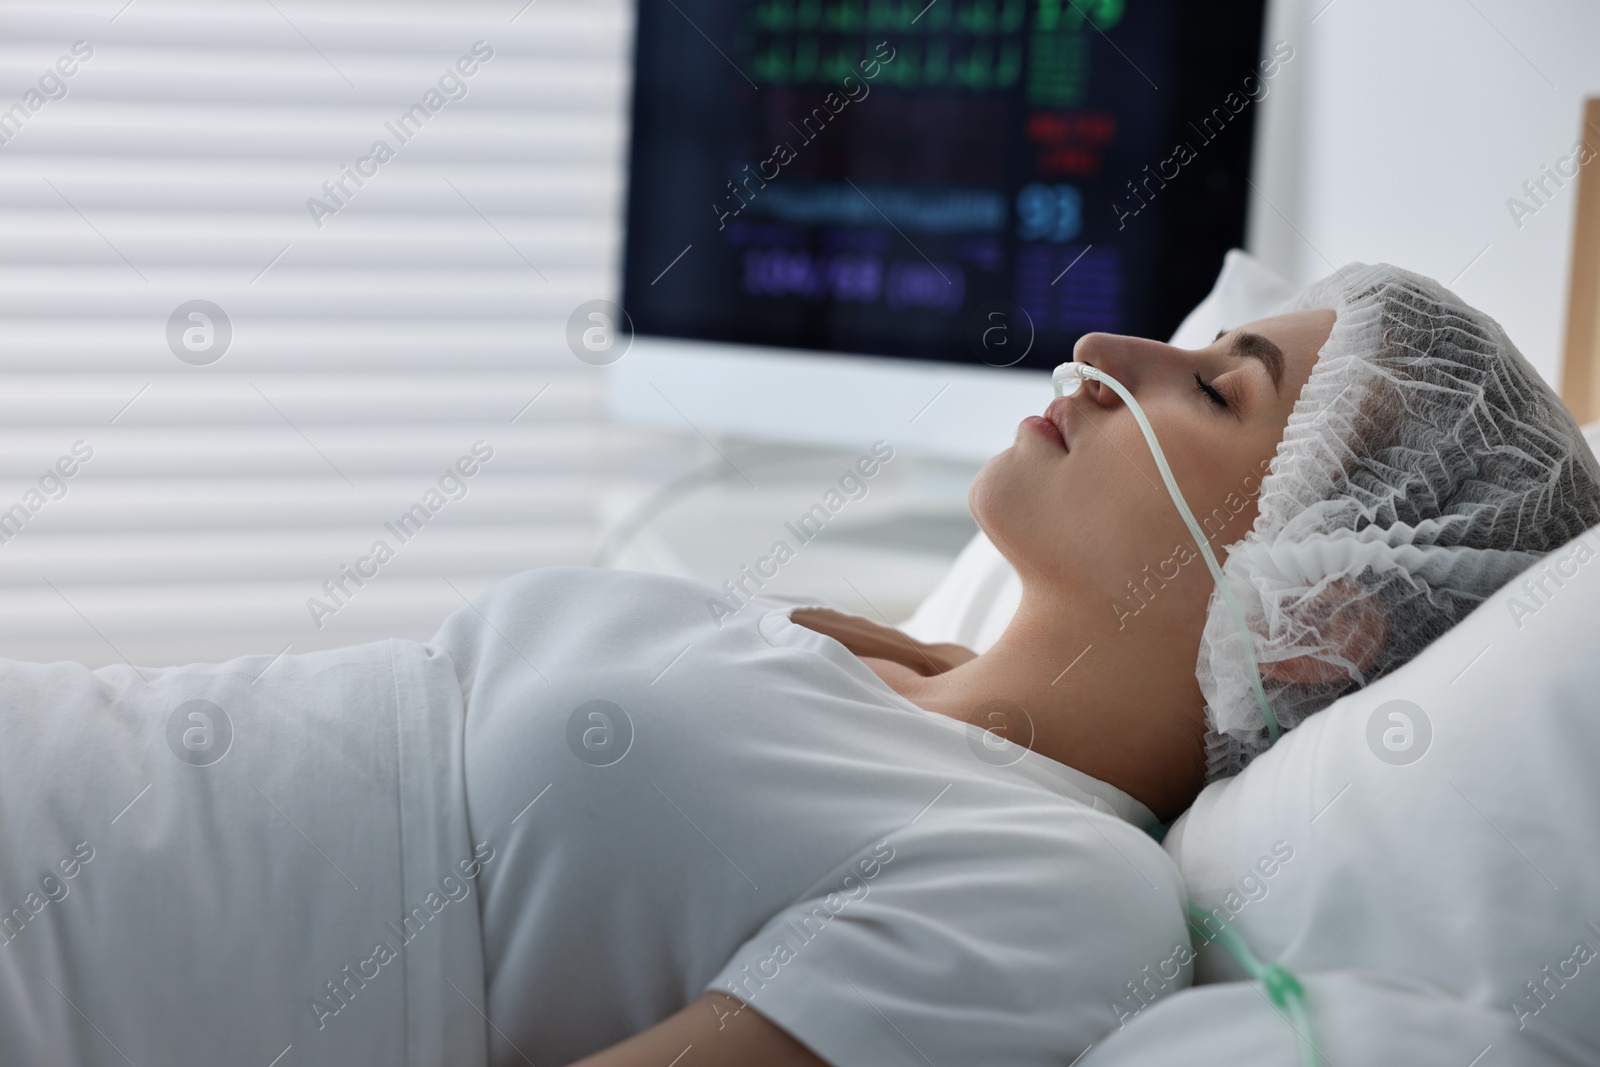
x,y
1254,346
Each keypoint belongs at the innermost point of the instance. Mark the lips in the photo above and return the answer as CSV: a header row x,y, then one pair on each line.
x,y
1056,413
1052,424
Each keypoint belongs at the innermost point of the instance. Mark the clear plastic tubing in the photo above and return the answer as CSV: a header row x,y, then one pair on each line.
x,y
1067,380
1282,988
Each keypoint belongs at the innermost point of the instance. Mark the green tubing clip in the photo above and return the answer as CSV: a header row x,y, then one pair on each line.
x,y
1066,380
1282,988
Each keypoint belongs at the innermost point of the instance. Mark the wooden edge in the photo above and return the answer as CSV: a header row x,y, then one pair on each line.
x,y
1580,374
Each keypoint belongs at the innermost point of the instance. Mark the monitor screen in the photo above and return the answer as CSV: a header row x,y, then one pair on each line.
x,y
980,181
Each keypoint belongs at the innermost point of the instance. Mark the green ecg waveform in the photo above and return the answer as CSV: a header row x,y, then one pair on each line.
x,y
973,45
981,66
890,16
914,16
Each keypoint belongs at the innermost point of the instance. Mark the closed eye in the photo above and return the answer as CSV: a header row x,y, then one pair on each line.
x,y
1212,393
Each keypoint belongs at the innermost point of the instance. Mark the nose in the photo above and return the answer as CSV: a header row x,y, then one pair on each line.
x,y
1137,362
1107,352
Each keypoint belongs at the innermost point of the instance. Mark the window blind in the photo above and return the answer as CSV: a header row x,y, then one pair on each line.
x,y
264,346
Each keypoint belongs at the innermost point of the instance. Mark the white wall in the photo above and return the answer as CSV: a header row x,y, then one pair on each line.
x,y
1401,128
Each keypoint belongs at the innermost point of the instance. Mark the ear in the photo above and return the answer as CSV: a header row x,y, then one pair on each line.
x,y
1351,620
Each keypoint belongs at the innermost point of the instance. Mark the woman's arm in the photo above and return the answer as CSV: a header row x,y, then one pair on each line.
x,y
715,1031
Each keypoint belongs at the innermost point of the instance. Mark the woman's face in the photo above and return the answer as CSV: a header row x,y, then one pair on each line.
x,y
1077,504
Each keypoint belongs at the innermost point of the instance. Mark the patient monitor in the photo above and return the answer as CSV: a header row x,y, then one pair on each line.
x,y
846,217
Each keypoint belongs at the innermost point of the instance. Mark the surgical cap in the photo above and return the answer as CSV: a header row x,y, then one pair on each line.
x,y
1425,464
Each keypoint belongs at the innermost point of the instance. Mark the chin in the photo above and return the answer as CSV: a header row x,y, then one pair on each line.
x,y
1023,507
1003,501
986,494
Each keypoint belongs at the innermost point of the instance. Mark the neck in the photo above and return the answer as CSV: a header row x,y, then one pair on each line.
x,y
1117,700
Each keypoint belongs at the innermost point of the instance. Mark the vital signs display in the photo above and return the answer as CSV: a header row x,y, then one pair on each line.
x,y
969,180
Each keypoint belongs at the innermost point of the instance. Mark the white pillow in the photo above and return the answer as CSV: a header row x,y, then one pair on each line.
x,y
1246,290
1475,866
978,595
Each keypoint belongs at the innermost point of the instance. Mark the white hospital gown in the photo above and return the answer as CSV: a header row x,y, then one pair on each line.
x,y
680,806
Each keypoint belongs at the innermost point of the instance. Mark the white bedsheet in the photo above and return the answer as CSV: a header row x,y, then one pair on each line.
x,y
191,910
1359,1018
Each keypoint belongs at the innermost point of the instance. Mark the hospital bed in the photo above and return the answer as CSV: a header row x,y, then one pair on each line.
x,y
1421,857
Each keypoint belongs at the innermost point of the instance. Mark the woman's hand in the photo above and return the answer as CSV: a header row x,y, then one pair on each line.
x,y
715,1031
868,640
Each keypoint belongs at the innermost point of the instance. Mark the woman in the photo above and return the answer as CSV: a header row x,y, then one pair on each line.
x,y
790,836
1426,465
